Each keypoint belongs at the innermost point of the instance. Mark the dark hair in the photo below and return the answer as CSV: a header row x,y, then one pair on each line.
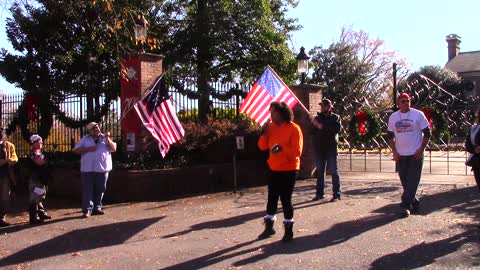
x,y
283,109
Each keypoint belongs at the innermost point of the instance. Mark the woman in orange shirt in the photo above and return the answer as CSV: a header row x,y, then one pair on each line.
x,y
284,139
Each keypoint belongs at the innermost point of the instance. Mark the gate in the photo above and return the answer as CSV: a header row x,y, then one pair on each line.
x,y
445,154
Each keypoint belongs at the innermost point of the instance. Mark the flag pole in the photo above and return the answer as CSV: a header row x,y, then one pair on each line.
x,y
286,86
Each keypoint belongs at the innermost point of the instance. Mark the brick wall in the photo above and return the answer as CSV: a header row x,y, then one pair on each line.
x,y
310,96
151,67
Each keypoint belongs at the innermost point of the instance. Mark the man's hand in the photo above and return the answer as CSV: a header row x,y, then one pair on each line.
x,y
396,156
107,134
265,128
419,154
477,149
317,124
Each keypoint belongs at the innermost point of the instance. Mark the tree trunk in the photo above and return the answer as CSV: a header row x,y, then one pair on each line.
x,y
203,59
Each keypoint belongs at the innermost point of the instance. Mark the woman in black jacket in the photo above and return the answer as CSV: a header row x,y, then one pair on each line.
x,y
472,145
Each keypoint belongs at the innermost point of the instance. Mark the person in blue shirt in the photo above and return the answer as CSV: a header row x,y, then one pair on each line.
x,y
95,164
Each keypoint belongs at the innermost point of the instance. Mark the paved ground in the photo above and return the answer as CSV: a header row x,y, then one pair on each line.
x,y
218,231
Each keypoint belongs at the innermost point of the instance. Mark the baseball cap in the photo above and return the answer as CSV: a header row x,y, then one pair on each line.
x,y
91,125
35,138
326,101
403,95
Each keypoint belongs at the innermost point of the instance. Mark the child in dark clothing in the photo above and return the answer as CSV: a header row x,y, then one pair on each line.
x,y
37,185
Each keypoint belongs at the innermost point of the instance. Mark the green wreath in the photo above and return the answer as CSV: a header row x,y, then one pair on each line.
x,y
371,125
47,109
438,123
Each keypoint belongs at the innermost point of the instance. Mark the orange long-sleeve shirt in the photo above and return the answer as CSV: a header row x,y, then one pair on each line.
x,y
290,138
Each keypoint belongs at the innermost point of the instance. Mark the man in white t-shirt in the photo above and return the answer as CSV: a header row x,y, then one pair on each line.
x,y
408,134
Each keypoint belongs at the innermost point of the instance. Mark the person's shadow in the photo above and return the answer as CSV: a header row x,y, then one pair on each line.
x,y
465,201
236,220
337,234
425,254
82,239
458,200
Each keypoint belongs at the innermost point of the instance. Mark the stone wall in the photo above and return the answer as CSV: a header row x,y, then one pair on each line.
x,y
163,184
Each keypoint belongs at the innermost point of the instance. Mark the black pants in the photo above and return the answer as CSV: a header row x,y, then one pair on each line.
x,y
476,173
280,185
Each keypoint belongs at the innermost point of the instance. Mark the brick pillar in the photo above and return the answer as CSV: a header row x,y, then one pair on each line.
x,y
139,73
310,95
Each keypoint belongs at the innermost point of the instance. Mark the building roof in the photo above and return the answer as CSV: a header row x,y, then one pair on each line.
x,y
465,62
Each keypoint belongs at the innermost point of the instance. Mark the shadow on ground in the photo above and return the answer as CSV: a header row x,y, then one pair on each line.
x,y
460,201
80,240
235,220
464,201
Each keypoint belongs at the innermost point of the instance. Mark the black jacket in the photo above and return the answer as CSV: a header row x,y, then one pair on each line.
x,y
327,137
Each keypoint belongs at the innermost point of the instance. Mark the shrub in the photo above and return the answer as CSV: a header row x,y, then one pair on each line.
x,y
204,143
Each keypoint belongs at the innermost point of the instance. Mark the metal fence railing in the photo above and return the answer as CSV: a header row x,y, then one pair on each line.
x,y
61,137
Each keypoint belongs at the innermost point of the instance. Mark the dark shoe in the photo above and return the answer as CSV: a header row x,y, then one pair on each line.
x,y
35,220
288,236
98,212
317,198
405,213
334,199
33,214
415,209
43,215
269,231
4,223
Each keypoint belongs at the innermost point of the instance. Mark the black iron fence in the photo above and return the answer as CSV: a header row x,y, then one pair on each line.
x,y
61,137
444,156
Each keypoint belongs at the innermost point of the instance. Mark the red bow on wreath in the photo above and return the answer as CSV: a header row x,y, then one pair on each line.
x,y
361,118
428,115
31,105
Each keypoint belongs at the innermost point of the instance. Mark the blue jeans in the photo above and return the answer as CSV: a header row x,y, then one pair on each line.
x,y
94,185
328,159
409,171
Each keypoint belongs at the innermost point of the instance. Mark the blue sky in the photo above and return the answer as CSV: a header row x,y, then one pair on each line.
x,y
416,29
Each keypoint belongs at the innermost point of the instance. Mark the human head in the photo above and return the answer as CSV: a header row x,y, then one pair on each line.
x,y
403,101
36,141
326,105
93,128
280,112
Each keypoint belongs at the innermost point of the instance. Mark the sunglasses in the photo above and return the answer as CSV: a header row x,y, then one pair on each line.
x,y
404,101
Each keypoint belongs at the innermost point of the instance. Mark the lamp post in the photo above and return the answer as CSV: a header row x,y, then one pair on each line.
x,y
141,28
302,64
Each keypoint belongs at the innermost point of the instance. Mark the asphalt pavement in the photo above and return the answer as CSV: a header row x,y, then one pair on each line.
x,y
363,230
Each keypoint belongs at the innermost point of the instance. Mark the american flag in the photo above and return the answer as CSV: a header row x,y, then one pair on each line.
x,y
267,89
158,116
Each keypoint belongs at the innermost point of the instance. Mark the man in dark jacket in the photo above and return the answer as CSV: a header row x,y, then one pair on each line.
x,y
326,126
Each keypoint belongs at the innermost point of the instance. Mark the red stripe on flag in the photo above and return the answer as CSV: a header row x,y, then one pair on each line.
x,y
258,100
162,123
